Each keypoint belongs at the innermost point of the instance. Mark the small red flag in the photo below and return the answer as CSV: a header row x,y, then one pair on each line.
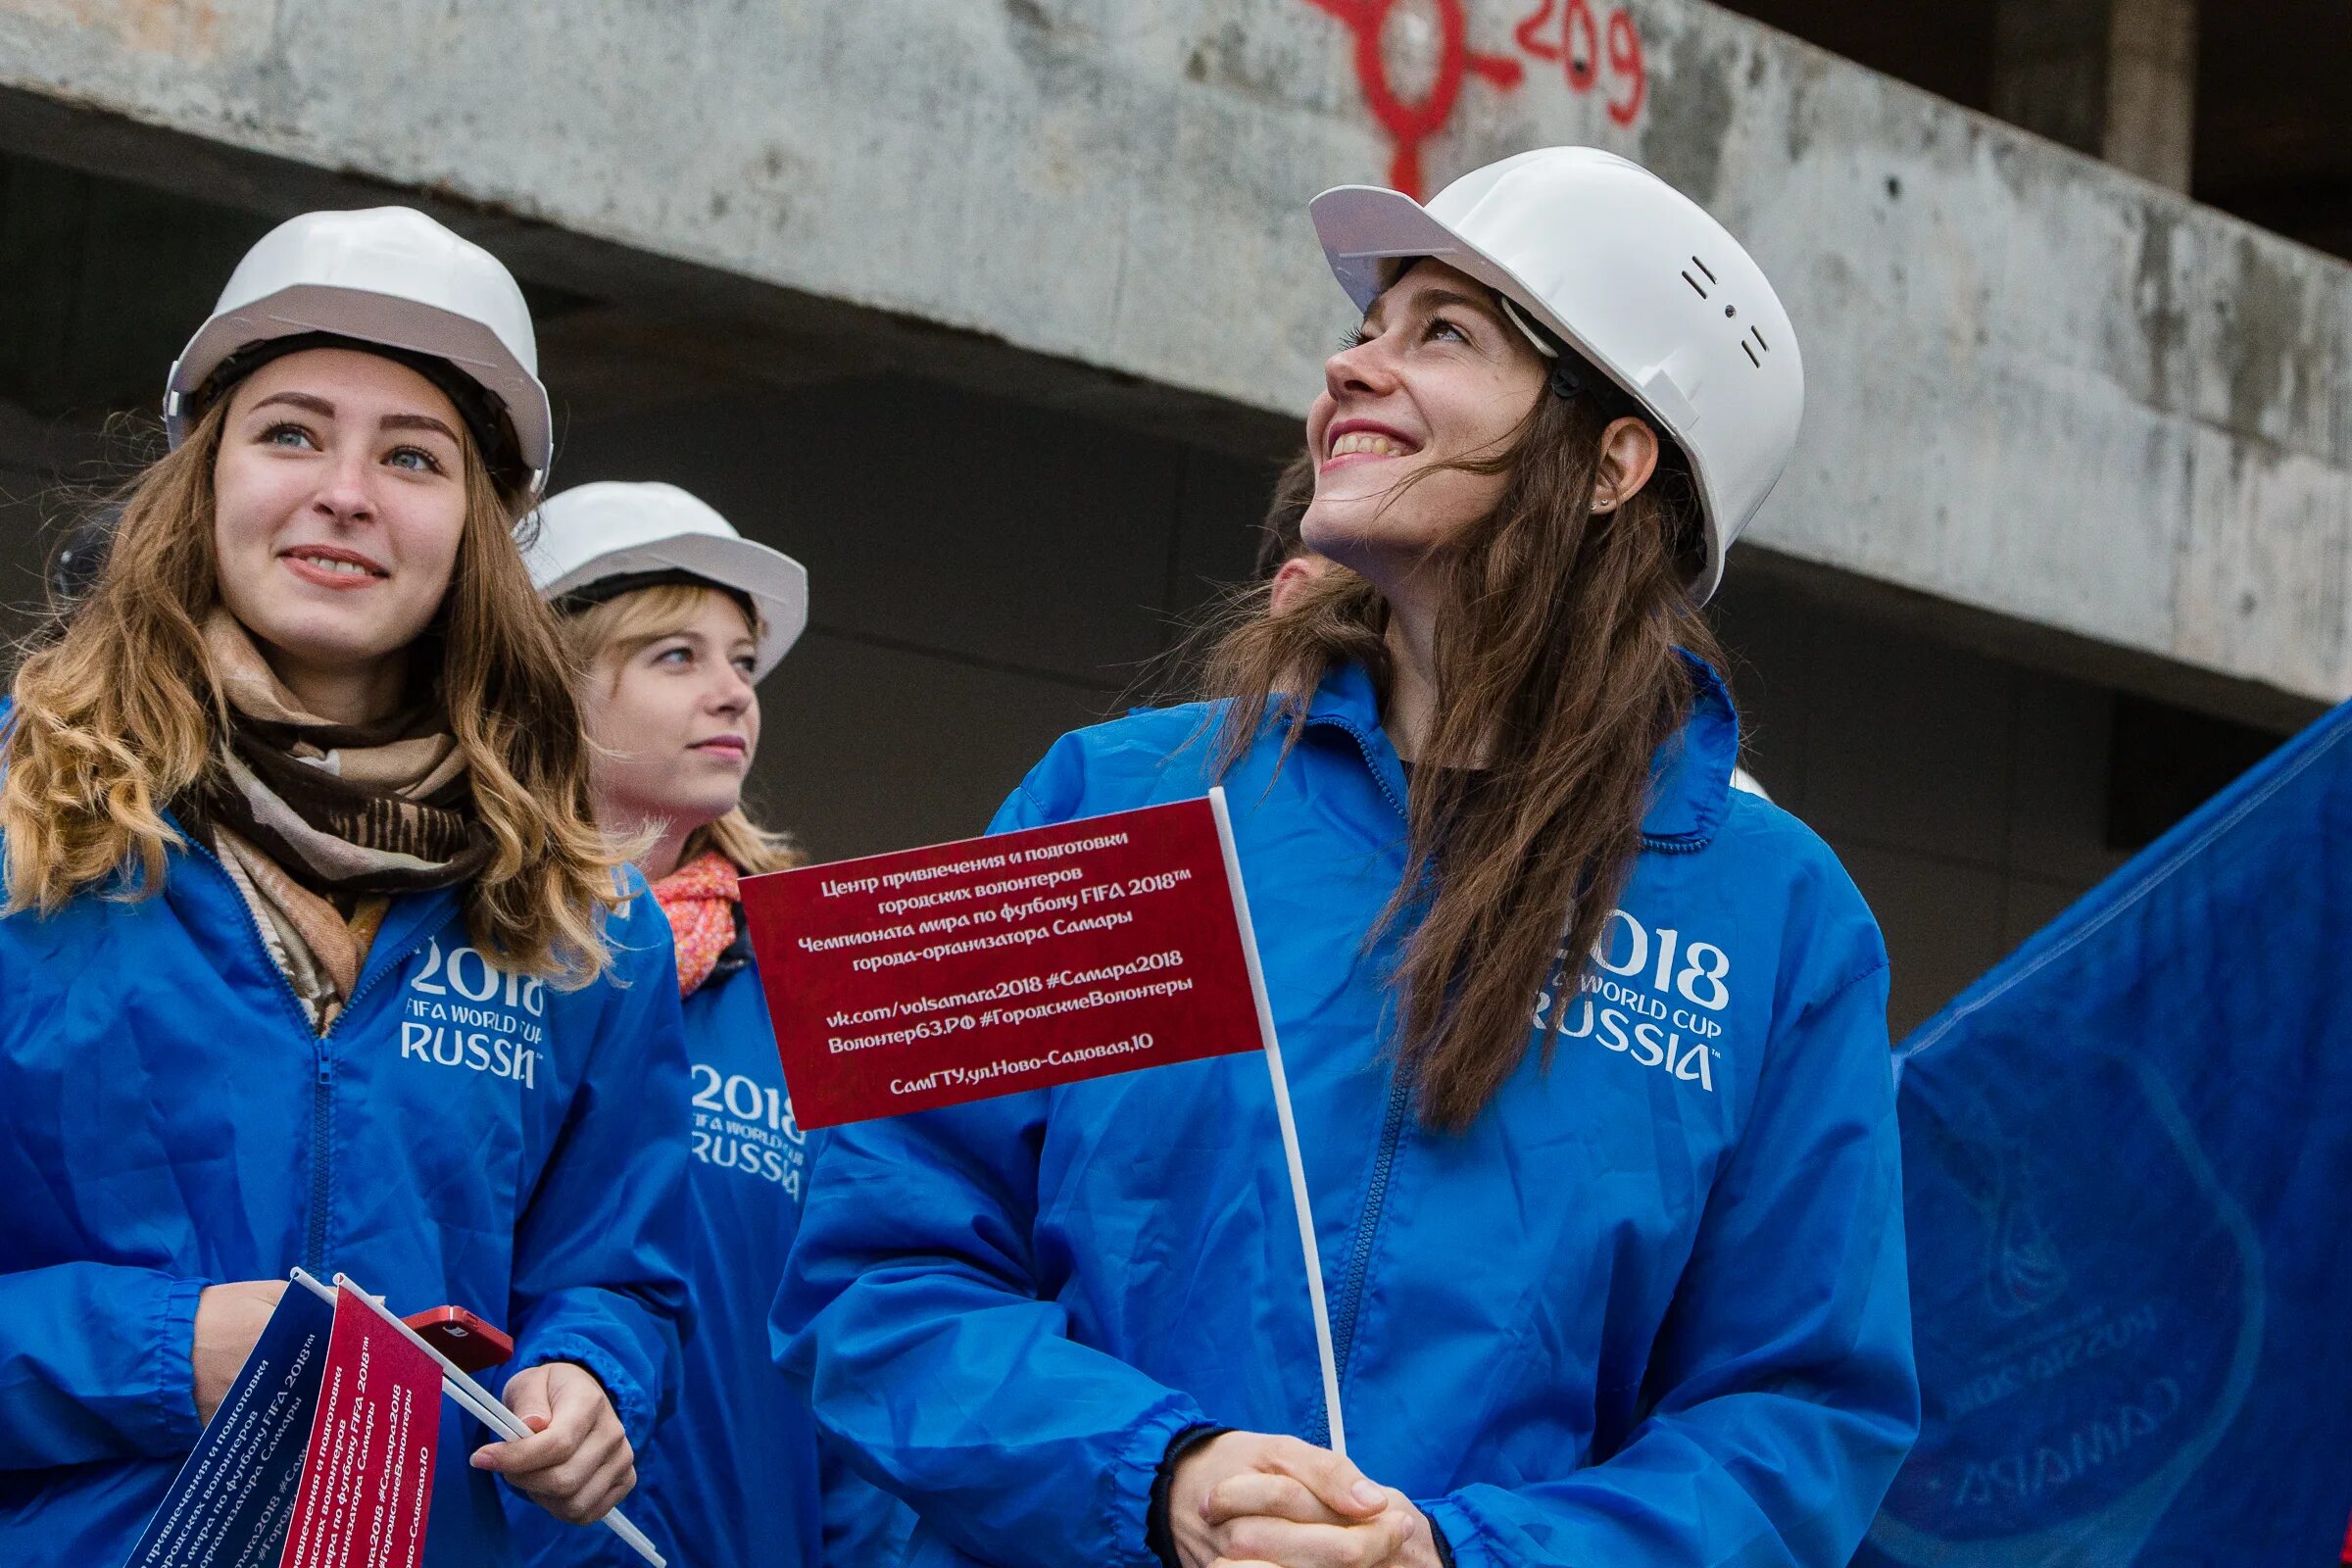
x,y
367,1478
935,976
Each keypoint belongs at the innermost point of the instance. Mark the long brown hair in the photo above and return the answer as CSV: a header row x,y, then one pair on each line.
x,y
621,625
120,713
1558,673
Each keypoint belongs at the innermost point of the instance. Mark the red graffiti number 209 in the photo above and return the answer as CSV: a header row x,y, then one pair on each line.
x,y
1569,33
1577,43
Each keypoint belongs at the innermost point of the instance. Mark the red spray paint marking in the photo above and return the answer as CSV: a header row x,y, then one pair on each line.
x,y
1571,35
1579,51
1409,124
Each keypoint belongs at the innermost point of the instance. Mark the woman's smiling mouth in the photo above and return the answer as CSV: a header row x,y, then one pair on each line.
x,y
331,567
1365,441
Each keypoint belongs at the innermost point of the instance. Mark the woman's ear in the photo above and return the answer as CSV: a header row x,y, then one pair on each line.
x,y
1628,456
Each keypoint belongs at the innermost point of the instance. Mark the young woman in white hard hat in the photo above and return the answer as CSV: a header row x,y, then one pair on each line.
x,y
673,619
314,952
1588,1049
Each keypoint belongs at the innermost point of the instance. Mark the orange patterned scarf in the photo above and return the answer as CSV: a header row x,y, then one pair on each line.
x,y
700,898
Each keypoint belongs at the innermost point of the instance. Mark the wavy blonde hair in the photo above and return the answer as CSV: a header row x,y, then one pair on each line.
x,y
620,626
118,714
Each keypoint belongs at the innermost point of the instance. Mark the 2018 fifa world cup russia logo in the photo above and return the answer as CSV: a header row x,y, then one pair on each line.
x,y
1567,32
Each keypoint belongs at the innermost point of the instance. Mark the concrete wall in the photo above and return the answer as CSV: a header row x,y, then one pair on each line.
x,y
2043,391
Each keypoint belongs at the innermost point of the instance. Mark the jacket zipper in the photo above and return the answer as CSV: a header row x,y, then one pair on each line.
x,y
1391,1134
1359,1260
322,1080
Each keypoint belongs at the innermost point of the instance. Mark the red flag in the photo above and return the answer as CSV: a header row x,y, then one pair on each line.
x,y
935,976
367,1477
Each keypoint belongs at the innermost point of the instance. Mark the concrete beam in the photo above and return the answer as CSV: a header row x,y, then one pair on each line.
x,y
2042,392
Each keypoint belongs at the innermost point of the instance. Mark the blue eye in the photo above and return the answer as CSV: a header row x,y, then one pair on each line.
x,y
746,665
277,436
413,459
1440,324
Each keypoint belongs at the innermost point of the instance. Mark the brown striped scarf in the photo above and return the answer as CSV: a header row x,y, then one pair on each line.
x,y
316,821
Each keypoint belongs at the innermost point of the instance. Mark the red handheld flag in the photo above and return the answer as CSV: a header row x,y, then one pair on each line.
x,y
933,976
367,1479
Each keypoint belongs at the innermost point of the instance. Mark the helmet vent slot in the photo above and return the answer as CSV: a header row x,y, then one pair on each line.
x,y
1703,268
1694,285
1751,355
1760,347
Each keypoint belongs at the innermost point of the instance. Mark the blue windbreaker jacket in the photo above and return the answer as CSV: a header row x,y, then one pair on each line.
x,y
734,1475
1648,1311
169,1120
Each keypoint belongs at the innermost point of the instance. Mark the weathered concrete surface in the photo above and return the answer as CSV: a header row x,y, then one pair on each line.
x,y
2040,389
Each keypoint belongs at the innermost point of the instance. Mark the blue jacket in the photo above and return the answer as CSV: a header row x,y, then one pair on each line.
x,y
734,1475
169,1120
1648,1311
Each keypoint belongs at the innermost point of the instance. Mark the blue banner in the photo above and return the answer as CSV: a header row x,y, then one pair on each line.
x,y
2128,1170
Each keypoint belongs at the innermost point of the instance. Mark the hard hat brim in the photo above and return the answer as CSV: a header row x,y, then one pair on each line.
x,y
1366,230
775,582
373,318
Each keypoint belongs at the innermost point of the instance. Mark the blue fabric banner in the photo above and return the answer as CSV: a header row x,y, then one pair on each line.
x,y
2128,1170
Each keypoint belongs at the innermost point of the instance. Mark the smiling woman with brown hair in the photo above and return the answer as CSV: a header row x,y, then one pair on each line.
x,y
1588,1051
315,955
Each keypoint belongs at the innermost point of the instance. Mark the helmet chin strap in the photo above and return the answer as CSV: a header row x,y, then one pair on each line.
x,y
1526,328
1567,379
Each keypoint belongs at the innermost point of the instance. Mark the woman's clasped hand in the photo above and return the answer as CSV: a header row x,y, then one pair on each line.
x,y
1247,1498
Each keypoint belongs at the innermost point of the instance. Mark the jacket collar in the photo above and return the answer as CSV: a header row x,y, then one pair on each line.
x,y
1691,776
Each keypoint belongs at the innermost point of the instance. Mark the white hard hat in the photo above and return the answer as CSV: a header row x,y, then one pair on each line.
x,y
598,541
387,275
1630,274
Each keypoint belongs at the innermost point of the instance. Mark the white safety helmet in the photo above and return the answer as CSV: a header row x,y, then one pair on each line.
x,y
598,541
1630,274
393,277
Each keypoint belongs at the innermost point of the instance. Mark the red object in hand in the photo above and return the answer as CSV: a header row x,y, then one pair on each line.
x,y
940,975
469,1342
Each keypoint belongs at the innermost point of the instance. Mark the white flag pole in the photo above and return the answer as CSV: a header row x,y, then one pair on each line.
x,y
475,1398
1289,1128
